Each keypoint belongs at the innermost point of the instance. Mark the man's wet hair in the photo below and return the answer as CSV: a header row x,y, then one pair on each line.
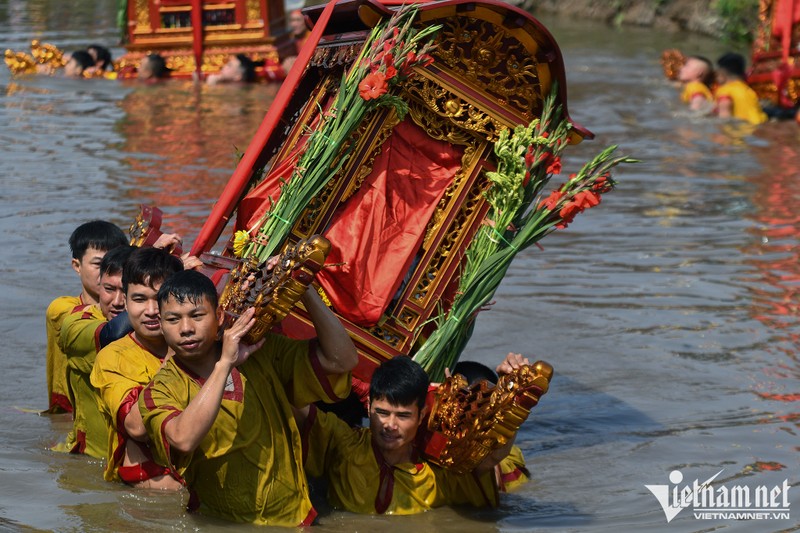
x,y
149,266
98,234
474,371
248,67
83,58
733,63
188,286
114,261
158,66
103,56
399,381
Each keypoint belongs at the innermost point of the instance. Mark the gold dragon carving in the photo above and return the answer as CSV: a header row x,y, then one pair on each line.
x,y
477,419
272,291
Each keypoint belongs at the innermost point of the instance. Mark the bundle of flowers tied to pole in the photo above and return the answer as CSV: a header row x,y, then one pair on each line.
x,y
387,58
521,213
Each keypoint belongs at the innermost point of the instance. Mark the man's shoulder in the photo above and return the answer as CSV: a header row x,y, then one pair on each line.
x,y
111,353
62,306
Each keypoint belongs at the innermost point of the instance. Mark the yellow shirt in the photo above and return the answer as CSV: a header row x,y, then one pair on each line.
x,y
248,468
57,390
361,482
696,88
120,372
744,99
513,472
78,340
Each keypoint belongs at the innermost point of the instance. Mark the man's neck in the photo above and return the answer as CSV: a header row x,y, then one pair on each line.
x,y
87,298
395,457
155,346
202,367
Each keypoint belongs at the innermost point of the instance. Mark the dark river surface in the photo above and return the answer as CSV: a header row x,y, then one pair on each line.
x,y
669,312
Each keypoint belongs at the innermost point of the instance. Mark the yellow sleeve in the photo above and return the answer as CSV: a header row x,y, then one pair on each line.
x,y
513,471
162,400
695,88
78,338
57,388
324,437
298,368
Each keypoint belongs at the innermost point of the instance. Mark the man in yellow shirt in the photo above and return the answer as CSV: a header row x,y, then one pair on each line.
x,y
697,75
734,98
378,470
80,341
125,366
219,415
88,244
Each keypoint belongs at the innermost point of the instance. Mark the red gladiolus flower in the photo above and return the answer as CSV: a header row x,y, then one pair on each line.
x,y
391,72
373,86
568,213
587,199
555,166
529,157
546,134
527,178
602,184
551,201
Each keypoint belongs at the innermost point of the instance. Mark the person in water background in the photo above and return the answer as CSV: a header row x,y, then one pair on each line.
x,y
697,77
733,97
238,69
153,68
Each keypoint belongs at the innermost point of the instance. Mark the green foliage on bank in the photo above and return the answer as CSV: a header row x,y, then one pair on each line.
x,y
740,19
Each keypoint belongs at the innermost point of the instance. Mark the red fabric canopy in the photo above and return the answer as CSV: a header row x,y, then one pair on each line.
x,y
377,233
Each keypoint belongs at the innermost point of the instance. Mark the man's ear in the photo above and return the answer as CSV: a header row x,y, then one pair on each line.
x,y
76,265
220,316
422,413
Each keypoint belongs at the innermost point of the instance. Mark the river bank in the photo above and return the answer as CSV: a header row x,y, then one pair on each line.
x,y
698,16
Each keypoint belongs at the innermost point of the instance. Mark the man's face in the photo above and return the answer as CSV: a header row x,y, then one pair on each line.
x,y
189,327
692,70
111,298
72,69
394,427
232,70
297,23
88,269
143,310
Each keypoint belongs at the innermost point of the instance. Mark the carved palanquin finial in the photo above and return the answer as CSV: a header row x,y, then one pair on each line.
x,y
146,229
272,292
469,422
19,62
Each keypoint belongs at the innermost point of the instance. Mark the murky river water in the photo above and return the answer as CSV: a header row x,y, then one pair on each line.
x,y
669,312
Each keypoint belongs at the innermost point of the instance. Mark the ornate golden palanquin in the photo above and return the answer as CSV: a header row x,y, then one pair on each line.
x,y
775,70
253,27
492,68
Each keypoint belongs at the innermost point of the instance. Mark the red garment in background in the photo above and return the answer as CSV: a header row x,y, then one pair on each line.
x,y
377,233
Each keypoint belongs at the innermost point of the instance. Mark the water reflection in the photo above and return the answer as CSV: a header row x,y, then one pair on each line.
x,y
182,141
774,283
